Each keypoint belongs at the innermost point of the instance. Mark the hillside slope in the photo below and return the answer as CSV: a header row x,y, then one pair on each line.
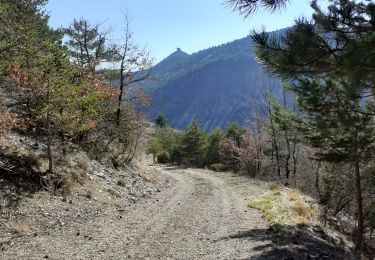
x,y
218,85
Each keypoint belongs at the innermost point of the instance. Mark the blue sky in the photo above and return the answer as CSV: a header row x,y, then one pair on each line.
x,y
164,25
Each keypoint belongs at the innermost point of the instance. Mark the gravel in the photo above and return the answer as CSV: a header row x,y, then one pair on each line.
x,y
193,214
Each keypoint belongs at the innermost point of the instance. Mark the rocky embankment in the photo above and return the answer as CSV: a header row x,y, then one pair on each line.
x,y
33,215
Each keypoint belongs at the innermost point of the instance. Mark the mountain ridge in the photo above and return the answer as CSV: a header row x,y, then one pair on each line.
x,y
217,85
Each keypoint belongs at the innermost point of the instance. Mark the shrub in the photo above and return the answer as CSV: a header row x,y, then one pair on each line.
x,y
67,185
83,161
163,157
230,155
302,209
217,167
153,147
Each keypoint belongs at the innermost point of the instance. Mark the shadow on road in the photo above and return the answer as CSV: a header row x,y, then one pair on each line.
x,y
15,188
17,181
294,242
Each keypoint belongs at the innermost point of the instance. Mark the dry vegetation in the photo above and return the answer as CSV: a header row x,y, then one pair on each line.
x,y
21,227
286,206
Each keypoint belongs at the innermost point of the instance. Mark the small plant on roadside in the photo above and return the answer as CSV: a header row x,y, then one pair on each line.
x,y
302,209
67,185
294,195
284,206
21,227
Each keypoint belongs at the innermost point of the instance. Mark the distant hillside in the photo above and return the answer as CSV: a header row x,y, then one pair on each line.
x,y
218,85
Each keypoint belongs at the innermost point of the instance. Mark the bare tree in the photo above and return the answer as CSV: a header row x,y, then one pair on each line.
x,y
135,68
272,126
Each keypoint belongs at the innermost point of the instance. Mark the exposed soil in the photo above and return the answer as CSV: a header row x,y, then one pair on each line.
x,y
188,214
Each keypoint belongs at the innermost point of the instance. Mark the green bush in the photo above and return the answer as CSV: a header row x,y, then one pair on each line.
x,y
217,167
163,157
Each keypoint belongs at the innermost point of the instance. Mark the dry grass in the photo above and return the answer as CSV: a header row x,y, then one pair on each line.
x,y
294,195
72,178
77,168
285,206
302,209
276,187
271,207
67,185
21,227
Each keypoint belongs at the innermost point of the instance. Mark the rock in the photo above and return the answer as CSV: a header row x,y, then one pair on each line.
x,y
121,183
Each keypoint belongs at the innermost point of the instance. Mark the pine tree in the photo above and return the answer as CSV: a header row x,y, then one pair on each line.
x,y
215,140
194,144
338,41
339,123
248,7
234,132
166,137
331,63
160,121
23,26
88,45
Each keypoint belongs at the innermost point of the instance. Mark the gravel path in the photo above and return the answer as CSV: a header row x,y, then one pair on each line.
x,y
197,219
201,216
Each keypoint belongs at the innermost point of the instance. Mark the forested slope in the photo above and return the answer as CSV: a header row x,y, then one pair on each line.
x,y
218,85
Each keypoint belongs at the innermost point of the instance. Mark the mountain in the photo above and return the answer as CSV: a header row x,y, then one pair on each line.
x,y
218,85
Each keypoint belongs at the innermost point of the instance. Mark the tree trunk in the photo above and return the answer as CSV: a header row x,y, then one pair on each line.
x,y
287,170
48,128
295,155
360,215
136,141
275,147
287,158
317,182
121,92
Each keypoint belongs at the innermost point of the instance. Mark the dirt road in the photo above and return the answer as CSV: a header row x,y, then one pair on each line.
x,y
196,214
206,216
202,217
